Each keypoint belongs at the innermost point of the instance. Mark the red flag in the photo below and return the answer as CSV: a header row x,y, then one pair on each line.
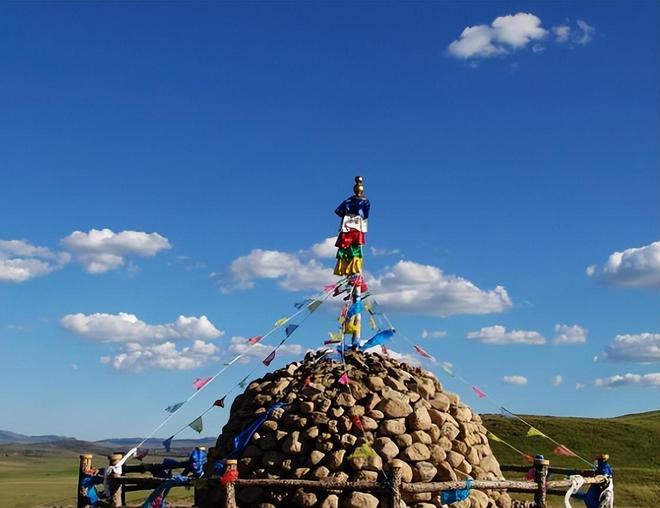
x,y
308,380
255,339
564,451
480,393
423,353
358,422
220,402
200,382
329,288
269,358
343,379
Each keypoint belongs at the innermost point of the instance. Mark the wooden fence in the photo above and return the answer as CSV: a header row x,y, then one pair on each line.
x,y
540,487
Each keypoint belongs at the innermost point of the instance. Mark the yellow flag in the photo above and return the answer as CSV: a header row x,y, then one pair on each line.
x,y
493,437
281,321
337,336
362,452
372,323
533,431
352,326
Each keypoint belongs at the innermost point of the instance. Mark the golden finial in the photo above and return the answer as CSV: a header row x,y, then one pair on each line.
x,y
358,188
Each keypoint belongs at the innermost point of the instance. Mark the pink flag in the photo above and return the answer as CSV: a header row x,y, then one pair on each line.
x,y
423,353
563,450
308,380
199,383
329,288
358,422
344,379
480,393
269,358
255,339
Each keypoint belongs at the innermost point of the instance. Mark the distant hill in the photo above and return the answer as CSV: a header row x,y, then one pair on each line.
x,y
13,443
7,437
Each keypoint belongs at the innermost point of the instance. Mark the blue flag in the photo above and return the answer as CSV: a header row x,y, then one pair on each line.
x,y
456,495
290,329
167,444
174,408
378,339
356,308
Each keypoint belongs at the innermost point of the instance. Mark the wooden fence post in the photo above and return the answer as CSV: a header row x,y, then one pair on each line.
x,y
115,494
85,465
396,486
230,493
540,477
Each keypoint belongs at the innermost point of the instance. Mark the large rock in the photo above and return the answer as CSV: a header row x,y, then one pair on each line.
x,y
399,412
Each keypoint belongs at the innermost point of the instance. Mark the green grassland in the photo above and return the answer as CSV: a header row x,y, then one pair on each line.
x,y
46,475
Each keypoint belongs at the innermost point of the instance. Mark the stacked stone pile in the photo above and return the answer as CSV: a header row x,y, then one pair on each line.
x,y
406,418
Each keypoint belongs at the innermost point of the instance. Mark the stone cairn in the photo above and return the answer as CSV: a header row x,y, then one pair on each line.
x,y
406,418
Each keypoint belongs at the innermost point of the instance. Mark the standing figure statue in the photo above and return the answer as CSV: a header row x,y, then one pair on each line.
x,y
354,213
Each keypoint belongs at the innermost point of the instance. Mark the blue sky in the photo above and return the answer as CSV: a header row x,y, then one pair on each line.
x,y
218,139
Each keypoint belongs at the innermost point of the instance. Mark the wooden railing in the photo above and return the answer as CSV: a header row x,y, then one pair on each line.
x,y
540,487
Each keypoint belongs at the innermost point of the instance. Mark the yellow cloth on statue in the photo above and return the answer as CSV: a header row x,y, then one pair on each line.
x,y
348,266
352,325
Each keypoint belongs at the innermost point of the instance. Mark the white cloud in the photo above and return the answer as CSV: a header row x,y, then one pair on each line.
x,y
515,380
651,380
505,33
586,34
102,250
21,261
124,327
383,252
579,386
326,248
570,334
635,267
498,335
438,334
407,286
642,348
426,289
260,351
562,33
137,357
288,269
557,380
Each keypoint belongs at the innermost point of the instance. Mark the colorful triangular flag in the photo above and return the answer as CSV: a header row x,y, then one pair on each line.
x,y
174,407
255,339
308,380
384,350
197,425
300,305
243,382
141,453
533,431
290,329
329,288
269,358
480,393
446,366
493,437
362,452
167,444
423,353
343,379
357,421
281,321
314,305
506,413
564,451
200,382
220,402
372,323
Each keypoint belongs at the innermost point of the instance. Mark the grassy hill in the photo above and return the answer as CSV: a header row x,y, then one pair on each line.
x,y
632,441
45,474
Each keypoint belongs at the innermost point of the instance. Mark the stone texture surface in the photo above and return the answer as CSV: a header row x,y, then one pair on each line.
x,y
400,410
